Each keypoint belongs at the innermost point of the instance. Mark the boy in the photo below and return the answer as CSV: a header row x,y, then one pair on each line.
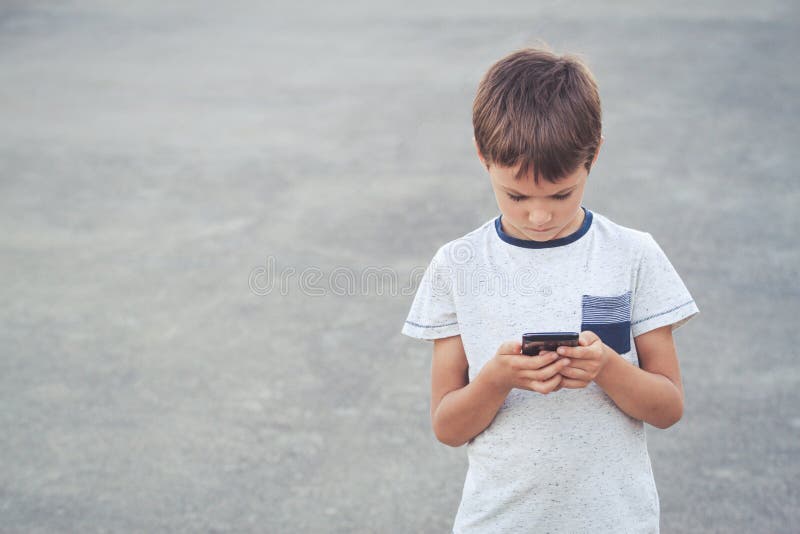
x,y
556,442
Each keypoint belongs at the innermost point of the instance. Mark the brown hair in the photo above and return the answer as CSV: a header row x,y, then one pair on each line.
x,y
536,109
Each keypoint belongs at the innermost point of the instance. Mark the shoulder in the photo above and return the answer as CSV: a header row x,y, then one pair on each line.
x,y
465,249
621,237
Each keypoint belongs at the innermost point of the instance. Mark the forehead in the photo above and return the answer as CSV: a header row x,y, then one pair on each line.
x,y
506,177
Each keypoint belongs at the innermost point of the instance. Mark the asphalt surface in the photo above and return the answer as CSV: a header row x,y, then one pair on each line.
x,y
161,163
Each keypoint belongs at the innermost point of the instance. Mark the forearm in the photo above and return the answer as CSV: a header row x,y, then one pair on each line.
x,y
464,413
650,397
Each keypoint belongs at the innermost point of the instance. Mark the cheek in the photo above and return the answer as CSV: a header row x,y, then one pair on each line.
x,y
570,207
510,207
517,209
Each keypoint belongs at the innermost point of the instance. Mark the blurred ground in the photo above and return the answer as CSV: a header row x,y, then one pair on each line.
x,y
154,155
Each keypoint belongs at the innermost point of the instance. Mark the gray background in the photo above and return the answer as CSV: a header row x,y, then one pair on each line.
x,y
154,155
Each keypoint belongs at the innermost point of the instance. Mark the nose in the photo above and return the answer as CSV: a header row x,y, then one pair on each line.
x,y
539,217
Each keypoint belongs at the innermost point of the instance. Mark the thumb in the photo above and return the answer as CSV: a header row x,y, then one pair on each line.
x,y
510,347
586,338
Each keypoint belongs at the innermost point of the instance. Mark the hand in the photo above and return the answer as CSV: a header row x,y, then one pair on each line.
x,y
509,368
588,360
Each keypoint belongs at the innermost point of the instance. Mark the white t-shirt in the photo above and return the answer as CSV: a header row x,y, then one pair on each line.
x,y
570,461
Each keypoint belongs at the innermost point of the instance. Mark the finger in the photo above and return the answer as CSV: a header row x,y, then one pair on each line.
x,y
510,347
586,338
571,383
532,363
576,374
548,354
545,373
585,365
573,352
547,386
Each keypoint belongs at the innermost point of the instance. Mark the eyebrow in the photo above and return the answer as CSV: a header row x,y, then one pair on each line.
x,y
524,195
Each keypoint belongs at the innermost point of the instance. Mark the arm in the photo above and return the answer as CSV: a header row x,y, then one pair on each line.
x,y
652,392
460,409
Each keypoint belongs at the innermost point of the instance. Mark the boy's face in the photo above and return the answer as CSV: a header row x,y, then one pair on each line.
x,y
538,212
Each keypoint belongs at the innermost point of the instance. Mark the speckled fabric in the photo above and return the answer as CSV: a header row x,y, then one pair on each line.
x,y
571,461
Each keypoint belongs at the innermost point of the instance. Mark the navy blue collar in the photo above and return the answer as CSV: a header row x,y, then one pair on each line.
x,y
561,241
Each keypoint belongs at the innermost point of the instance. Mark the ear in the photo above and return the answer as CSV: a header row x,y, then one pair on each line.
x,y
597,152
478,150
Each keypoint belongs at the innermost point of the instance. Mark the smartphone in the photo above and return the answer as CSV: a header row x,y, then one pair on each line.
x,y
533,342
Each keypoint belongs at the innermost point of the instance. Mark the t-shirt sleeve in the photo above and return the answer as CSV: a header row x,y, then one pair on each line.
x,y
433,313
660,297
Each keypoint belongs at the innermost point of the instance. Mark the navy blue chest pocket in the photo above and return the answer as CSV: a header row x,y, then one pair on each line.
x,y
609,318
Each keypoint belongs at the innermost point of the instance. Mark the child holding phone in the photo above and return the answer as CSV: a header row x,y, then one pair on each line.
x,y
555,441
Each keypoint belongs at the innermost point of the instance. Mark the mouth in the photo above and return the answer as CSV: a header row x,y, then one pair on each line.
x,y
540,231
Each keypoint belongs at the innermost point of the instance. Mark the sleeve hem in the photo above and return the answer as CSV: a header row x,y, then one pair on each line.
x,y
429,333
676,317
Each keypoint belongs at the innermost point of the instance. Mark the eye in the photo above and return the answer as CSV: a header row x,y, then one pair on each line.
x,y
517,198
